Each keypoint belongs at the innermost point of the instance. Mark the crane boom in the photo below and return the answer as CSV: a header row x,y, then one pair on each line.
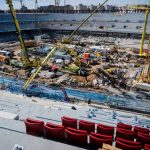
x,y
144,31
145,24
54,49
86,19
25,57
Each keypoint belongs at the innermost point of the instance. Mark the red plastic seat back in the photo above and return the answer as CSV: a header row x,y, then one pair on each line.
x,y
125,146
124,126
88,126
143,138
76,137
54,125
129,142
141,130
125,134
98,142
34,121
34,127
102,136
103,129
69,122
57,133
147,147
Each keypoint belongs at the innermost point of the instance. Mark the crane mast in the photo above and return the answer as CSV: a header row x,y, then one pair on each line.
x,y
144,30
25,57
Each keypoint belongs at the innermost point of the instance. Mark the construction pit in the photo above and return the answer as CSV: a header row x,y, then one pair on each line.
x,y
104,65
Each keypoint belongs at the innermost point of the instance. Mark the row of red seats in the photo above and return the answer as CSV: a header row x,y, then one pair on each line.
x,y
72,135
135,129
125,137
130,145
123,131
90,126
86,125
105,133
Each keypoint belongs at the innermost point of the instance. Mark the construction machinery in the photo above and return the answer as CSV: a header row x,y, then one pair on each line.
x,y
25,58
145,73
145,25
54,49
4,59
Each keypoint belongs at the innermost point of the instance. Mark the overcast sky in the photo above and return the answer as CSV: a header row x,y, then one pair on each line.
x,y
31,3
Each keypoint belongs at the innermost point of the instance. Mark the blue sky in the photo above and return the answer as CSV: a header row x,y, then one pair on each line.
x,y
31,3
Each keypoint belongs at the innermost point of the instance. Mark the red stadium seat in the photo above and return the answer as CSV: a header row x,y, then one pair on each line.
x,y
76,130
78,137
102,136
125,134
96,142
104,129
147,147
129,142
34,127
86,125
69,122
141,130
124,126
143,138
53,131
125,146
125,130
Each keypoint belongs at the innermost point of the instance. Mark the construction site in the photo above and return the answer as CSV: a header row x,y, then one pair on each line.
x,y
83,68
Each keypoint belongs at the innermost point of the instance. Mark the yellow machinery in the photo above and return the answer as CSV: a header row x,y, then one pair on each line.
x,y
25,57
54,49
145,76
145,24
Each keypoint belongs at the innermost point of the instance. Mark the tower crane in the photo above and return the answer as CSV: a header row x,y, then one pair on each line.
x,y
54,49
145,24
25,56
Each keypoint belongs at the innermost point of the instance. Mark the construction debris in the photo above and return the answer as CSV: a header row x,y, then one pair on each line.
x,y
102,64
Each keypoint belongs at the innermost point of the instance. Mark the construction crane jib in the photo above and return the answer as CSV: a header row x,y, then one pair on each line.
x,y
54,49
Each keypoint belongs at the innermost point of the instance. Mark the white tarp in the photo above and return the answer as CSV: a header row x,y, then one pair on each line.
x,y
99,48
143,86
